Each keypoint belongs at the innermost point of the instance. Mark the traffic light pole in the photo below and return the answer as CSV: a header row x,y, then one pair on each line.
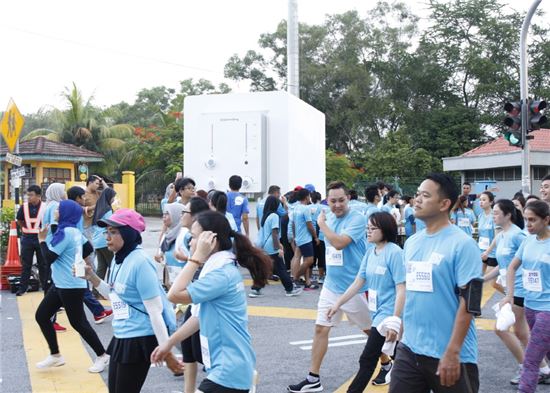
x,y
524,95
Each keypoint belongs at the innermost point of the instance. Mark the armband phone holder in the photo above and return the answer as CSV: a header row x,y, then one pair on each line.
x,y
472,296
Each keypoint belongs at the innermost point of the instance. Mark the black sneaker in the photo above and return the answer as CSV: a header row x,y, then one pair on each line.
x,y
306,386
544,379
20,292
383,377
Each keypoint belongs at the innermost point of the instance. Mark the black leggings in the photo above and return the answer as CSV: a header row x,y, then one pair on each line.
x,y
367,361
71,299
127,377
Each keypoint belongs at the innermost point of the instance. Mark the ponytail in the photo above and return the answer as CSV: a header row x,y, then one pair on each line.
x,y
248,256
252,258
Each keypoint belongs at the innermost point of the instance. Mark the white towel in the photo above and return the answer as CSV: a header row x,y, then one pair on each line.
x,y
505,316
393,323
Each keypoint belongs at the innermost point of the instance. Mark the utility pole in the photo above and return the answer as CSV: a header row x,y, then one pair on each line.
x,y
524,95
293,49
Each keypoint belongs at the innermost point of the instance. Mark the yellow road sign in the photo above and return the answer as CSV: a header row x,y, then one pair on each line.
x,y
11,125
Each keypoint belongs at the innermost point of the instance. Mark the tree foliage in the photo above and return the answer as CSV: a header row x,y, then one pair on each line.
x,y
379,79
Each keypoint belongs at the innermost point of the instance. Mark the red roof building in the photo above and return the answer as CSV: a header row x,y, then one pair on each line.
x,y
498,161
46,161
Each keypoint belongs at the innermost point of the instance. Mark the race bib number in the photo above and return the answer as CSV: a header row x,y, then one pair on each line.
x,y
372,300
532,280
463,222
334,257
502,273
205,351
483,243
120,308
419,276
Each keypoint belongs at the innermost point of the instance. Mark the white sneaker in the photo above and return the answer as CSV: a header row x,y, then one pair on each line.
x,y
100,363
51,361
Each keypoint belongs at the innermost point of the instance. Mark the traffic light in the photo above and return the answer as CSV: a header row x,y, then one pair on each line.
x,y
513,122
536,117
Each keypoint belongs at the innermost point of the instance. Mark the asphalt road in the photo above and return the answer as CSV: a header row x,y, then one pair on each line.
x,y
280,327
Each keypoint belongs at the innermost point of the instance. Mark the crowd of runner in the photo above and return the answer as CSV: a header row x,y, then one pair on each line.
x,y
408,271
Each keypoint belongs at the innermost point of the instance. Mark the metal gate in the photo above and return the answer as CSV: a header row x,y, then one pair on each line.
x,y
150,187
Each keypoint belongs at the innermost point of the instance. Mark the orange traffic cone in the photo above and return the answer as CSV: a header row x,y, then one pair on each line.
x,y
13,264
12,257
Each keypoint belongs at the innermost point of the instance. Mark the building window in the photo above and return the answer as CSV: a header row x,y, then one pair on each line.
x,y
540,171
57,175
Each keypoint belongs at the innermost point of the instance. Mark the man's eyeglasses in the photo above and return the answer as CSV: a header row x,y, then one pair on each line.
x,y
185,211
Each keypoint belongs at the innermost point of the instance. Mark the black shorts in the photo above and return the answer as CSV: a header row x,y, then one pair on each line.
x,y
307,249
518,301
491,262
191,346
207,386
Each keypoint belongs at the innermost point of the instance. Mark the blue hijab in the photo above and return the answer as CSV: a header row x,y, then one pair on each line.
x,y
70,213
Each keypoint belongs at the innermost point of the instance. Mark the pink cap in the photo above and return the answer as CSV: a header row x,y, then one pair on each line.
x,y
124,217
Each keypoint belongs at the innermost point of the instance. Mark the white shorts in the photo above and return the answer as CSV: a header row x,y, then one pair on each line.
x,y
356,309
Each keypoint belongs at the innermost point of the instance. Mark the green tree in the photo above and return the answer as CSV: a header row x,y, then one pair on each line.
x,y
84,125
339,167
395,156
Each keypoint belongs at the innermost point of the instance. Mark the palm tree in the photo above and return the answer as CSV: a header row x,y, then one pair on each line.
x,y
84,125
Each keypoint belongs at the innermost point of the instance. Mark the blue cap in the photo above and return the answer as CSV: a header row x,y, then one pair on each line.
x,y
310,187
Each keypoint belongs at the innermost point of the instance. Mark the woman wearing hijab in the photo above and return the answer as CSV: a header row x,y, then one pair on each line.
x,y
171,219
103,210
55,193
61,252
138,303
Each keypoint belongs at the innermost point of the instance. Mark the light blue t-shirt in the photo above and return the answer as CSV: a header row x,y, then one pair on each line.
x,y
260,209
486,232
265,238
429,317
62,268
420,225
535,256
321,208
134,281
302,215
49,219
224,326
464,220
290,229
370,210
341,275
99,240
237,205
359,206
387,207
409,221
169,257
508,244
382,273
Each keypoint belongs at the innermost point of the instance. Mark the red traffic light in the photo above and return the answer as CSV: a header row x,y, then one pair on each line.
x,y
513,120
537,106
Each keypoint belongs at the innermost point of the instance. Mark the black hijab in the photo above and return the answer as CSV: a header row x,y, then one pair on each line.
x,y
132,239
103,204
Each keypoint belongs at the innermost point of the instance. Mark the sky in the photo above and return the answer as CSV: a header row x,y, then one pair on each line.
x,y
112,49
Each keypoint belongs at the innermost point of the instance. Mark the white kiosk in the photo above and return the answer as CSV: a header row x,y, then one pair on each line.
x,y
266,138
